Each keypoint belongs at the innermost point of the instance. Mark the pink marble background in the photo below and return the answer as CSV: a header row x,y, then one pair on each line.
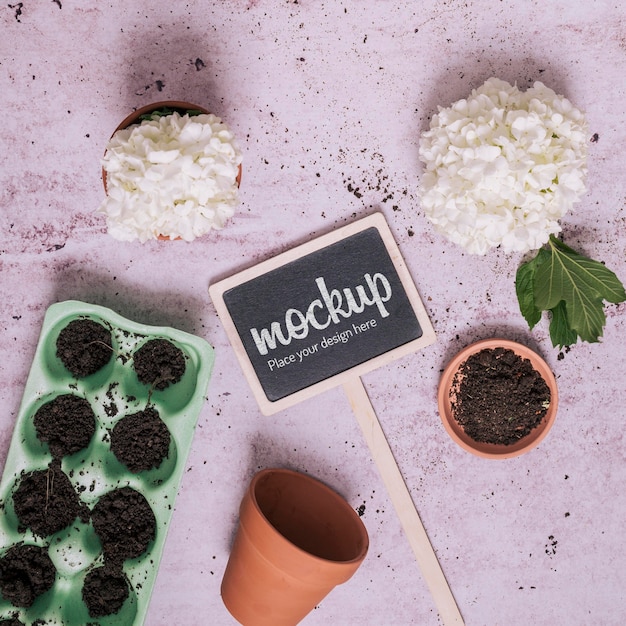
x,y
328,100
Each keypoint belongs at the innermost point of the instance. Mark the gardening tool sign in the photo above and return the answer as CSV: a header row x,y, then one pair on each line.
x,y
337,306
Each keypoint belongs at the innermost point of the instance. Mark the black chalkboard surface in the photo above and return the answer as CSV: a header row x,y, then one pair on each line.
x,y
321,310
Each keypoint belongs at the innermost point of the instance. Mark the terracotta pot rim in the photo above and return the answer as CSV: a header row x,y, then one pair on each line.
x,y
132,118
278,537
487,450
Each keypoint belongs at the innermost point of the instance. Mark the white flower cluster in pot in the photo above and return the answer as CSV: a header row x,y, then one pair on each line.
x,y
503,166
173,176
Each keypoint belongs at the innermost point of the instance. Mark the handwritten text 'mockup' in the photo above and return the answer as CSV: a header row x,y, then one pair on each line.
x,y
331,308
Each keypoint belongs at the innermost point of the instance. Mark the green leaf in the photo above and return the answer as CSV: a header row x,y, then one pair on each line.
x,y
524,288
573,287
569,276
560,332
164,111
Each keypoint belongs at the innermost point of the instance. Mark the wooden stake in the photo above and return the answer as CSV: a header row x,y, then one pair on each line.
x,y
402,502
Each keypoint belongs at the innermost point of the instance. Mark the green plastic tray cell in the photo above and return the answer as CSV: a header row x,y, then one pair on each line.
x,y
113,392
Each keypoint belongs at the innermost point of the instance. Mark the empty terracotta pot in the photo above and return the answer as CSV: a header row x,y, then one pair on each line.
x,y
297,539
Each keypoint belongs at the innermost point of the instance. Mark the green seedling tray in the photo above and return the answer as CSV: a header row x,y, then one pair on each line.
x,y
94,471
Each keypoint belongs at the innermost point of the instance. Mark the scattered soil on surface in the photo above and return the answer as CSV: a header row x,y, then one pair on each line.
x,y
105,590
124,523
84,347
500,397
141,440
46,502
67,423
159,363
26,572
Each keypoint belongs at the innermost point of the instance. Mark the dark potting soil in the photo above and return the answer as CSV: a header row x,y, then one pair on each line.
x,y
46,502
159,363
26,572
500,397
104,591
141,440
11,621
67,423
124,523
84,347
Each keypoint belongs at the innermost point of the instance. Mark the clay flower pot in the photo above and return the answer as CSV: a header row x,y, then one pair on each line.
x,y
449,401
297,539
176,106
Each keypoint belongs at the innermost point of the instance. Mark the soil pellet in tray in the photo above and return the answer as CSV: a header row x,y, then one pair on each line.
x,y
84,347
159,363
500,397
46,502
11,621
124,523
104,591
66,423
141,440
26,572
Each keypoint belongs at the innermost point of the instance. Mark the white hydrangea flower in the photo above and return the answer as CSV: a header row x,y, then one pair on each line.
x,y
173,176
503,166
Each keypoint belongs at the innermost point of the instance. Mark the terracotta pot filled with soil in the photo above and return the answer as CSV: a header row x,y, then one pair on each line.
x,y
46,502
84,347
497,398
26,572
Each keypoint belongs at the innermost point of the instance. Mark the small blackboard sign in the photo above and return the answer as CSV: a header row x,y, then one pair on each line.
x,y
338,306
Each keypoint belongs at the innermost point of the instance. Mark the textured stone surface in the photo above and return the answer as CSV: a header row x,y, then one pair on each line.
x,y
328,100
